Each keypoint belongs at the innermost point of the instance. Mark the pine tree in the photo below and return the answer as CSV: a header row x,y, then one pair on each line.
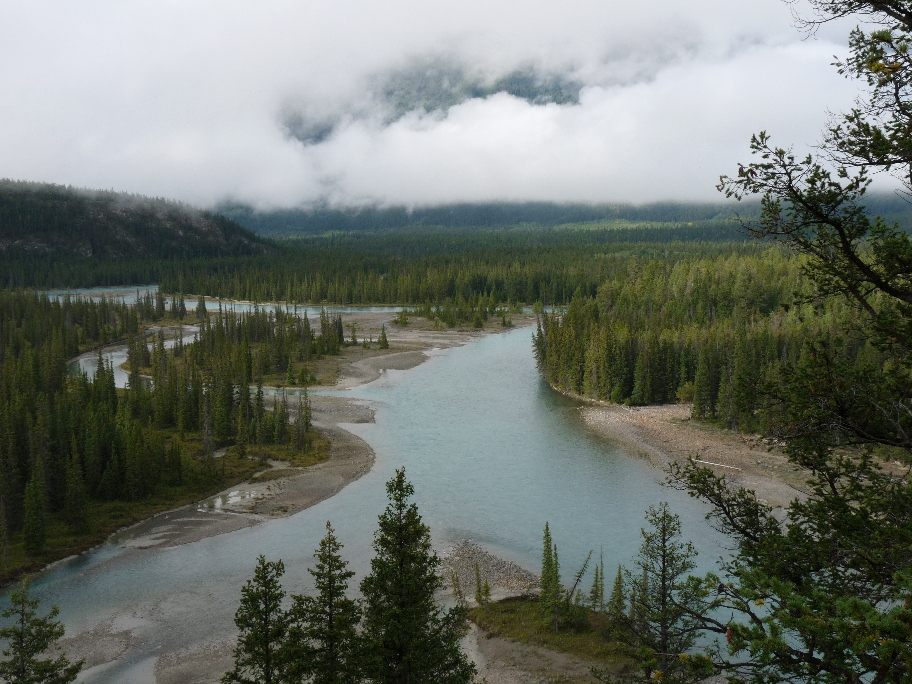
x,y
75,497
408,638
662,626
382,342
261,655
617,602
549,584
289,373
597,592
28,637
34,527
323,634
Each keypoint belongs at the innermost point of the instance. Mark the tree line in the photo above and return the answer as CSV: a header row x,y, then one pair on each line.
x,y
712,330
68,442
406,266
396,633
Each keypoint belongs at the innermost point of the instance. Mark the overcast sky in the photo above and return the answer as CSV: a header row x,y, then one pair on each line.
x,y
285,102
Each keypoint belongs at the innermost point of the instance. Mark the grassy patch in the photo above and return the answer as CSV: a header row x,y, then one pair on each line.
x,y
519,619
317,451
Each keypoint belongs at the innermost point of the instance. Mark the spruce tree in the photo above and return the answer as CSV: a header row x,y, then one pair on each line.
x,y
597,592
261,655
34,527
662,625
323,633
408,638
549,584
617,602
382,342
28,637
75,493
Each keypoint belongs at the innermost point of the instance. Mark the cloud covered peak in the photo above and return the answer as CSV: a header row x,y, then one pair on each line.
x,y
281,104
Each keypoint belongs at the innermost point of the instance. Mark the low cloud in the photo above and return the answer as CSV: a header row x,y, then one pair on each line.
x,y
284,104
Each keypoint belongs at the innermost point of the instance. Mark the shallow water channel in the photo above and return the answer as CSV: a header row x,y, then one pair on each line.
x,y
493,453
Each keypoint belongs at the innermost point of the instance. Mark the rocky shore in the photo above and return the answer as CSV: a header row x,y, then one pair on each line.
x,y
504,577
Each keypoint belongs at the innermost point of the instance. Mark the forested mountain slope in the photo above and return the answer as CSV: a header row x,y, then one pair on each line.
x,y
701,221
323,219
53,220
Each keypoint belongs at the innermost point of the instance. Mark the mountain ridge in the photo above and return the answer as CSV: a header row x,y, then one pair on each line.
x,y
56,220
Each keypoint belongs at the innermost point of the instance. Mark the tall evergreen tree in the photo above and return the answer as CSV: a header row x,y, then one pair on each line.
x,y
549,584
323,632
75,497
597,592
34,527
617,602
29,637
663,626
408,638
261,655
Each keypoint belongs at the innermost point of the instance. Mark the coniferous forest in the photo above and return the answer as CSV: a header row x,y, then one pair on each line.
x,y
75,451
704,329
738,328
791,319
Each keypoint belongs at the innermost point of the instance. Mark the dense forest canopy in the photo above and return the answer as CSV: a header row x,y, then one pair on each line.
x,y
401,266
65,222
70,445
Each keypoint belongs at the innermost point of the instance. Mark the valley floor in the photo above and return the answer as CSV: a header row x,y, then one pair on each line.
x,y
659,433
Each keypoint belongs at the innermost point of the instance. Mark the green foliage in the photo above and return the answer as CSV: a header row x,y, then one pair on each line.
x,y
322,638
482,589
518,618
382,342
261,655
479,591
825,597
408,638
616,609
550,589
597,591
34,527
663,620
425,268
29,637
481,218
55,226
711,329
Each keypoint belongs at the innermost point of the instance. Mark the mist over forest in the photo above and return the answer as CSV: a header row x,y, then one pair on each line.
x,y
323,219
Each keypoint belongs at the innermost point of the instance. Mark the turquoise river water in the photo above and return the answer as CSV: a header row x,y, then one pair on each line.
x,y
493,453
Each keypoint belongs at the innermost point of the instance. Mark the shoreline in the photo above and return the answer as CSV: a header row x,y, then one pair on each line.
x,y
255,501
642,432
663,434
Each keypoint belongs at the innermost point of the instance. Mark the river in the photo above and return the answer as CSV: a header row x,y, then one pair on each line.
x,y
493,453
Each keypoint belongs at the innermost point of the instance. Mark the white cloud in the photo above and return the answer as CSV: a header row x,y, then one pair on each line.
x,y
187,98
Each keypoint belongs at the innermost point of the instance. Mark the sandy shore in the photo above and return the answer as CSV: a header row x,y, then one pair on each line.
x,y
663,434
660,434
350,457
